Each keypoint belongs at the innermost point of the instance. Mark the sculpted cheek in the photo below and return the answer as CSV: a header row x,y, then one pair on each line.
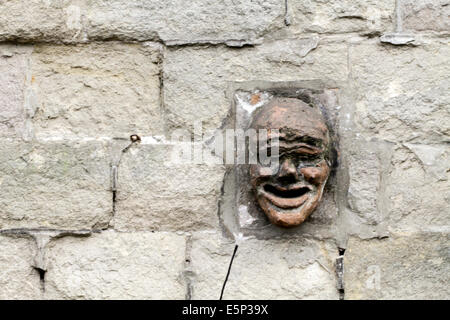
x,y
311,174
315,175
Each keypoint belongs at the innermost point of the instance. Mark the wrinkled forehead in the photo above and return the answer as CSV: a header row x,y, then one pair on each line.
x,y
293,119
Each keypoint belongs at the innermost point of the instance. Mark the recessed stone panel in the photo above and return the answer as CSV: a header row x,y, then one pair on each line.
x,y
240,211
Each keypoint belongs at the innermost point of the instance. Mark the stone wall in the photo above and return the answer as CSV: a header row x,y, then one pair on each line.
x,y
87,214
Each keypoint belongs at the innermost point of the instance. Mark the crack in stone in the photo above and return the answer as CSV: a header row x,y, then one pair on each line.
x,y
162,107
188,273
42,237
41,273
287,16
340,273
116,159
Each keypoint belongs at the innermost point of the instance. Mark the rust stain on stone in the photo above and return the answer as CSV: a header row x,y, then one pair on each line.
x,y
256,97
135,138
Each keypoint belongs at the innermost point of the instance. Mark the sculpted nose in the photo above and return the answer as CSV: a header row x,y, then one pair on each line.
x,y
288,169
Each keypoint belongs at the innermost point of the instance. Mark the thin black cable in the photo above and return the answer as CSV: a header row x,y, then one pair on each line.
x,y
229,269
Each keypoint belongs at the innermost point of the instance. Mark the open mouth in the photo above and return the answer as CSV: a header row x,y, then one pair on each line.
x,y
286,193
286,198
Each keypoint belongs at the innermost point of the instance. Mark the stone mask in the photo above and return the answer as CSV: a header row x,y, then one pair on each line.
x,y
289,192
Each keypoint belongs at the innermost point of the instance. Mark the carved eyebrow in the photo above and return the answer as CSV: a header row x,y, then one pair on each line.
x,y
300,147
302,139
308,144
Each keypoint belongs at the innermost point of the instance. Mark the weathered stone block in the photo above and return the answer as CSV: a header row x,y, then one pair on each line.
x,y
418,188
361,187
112,265
233,22
38,20
366,17
283,269
55,185
426,15
368,166
406,266
196,79
96,90
210,256
18,279
276,269
402,92
154,193
13,70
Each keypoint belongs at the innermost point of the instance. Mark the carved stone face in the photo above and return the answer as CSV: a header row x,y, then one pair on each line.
x,y
289,193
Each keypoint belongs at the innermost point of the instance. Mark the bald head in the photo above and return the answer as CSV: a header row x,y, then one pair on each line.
x,y
293,118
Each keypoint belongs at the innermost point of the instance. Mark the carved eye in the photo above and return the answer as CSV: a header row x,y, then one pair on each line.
x,y
308,160
308,157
